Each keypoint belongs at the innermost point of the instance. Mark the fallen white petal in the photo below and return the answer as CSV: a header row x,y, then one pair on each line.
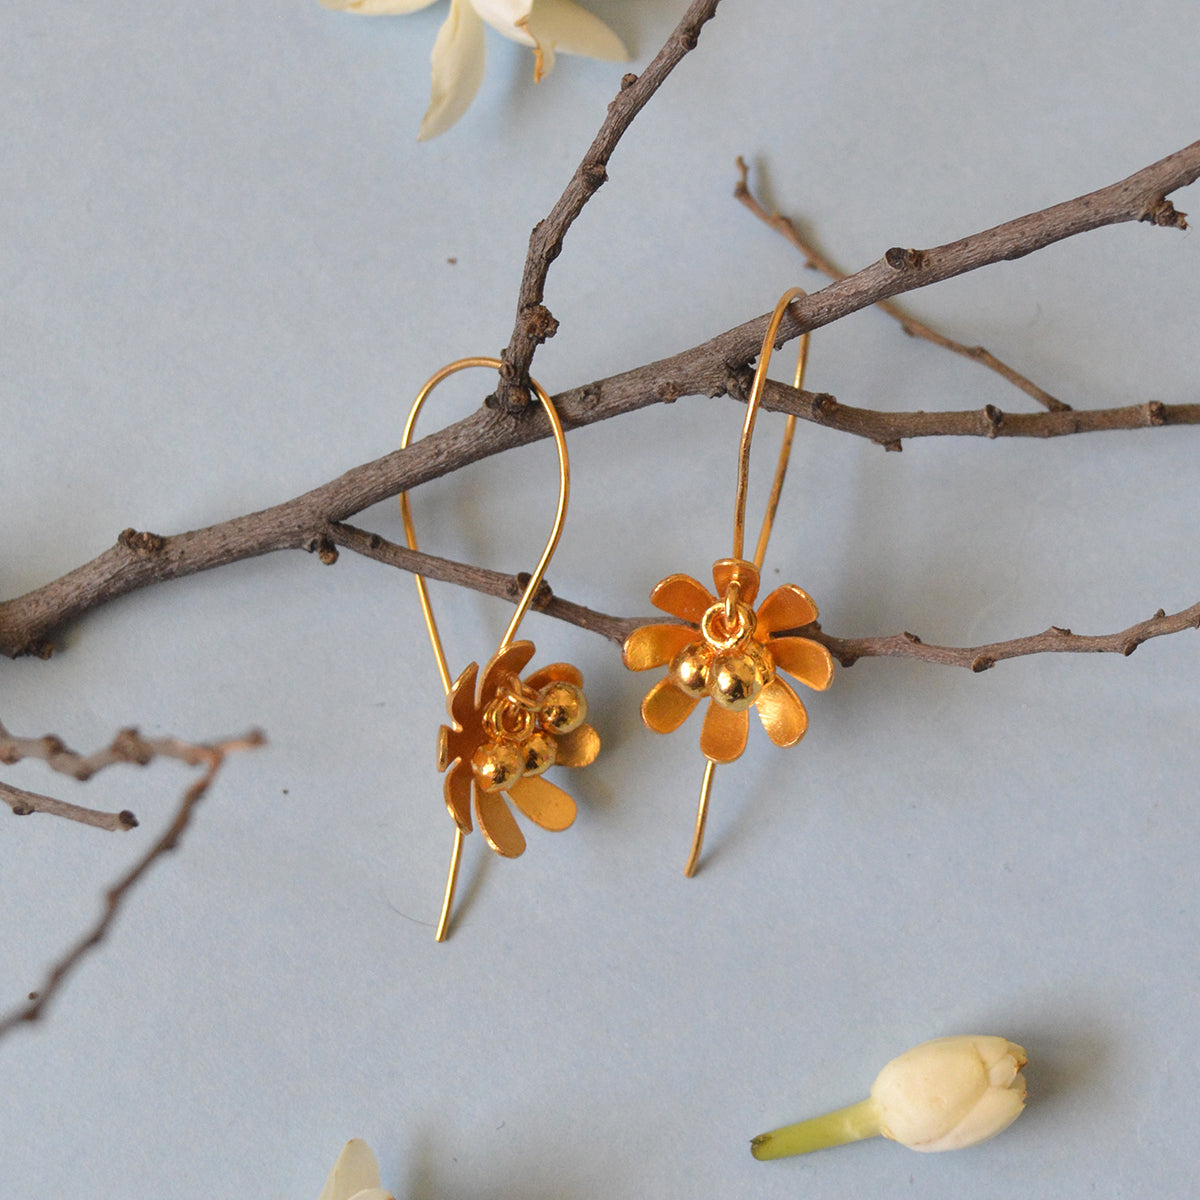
x,y
458,61
355,1175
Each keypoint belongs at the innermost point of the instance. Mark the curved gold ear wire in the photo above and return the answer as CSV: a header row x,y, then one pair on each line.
x,y
734,661
753,401
505,732
757,387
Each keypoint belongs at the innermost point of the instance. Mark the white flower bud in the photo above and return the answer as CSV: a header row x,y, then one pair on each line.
x,y
951,1092
942,1095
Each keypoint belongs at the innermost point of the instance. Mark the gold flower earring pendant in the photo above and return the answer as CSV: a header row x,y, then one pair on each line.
x,y
729,651
505,732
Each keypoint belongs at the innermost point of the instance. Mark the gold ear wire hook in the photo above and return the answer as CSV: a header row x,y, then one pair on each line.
x,y
752,406
564,488
729,647
535,579
753,402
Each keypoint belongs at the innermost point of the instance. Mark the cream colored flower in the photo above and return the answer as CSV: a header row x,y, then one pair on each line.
x,y
458,52
946,1094
951,1093
355,1175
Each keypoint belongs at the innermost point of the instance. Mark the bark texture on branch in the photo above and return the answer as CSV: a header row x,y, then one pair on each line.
x,y
890,429
535,323
817,261
1055,640
713,368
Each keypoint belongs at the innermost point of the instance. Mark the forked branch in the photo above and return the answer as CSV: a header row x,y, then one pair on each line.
x,y
816,261
716,367
209,757
535,323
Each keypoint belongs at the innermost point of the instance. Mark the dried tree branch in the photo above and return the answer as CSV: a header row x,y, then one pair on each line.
x,y
1054,640
715,367
816,261
535,323
24,803
127,747
890,429
210,757
848,651
479,579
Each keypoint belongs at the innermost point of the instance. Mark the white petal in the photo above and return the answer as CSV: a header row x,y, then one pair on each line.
x,y
377,8
355,1171
550,25
508,16
997,1109
458,62
566,26
373,1194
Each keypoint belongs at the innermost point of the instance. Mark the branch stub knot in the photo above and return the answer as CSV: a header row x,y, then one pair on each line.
x,y
901,259
141,542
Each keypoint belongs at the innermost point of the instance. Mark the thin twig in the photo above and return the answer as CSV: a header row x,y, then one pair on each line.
x,y
890,429
815,260
127,747
25,803
535,323
210,757
1054,640
713,368
479,579
1140,197
848,651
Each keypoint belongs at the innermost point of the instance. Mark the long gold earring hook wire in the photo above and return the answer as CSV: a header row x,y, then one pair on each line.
x,y
753,402
535,580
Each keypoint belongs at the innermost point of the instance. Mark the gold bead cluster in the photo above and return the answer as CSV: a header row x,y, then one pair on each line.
x,y
727,664
522,728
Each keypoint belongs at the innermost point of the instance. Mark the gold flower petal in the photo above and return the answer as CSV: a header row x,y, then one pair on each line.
x,y
665,707
456,788
561,672
655,645
723,735
782,713
460,699
787,607
449,746
543,803
578,748
726,570
682,597
510,661
807,660
498,824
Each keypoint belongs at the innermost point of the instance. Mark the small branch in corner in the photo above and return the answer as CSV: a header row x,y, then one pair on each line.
x,y
209,756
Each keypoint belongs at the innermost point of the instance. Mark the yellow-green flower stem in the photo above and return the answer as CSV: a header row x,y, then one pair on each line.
x,y
851,1124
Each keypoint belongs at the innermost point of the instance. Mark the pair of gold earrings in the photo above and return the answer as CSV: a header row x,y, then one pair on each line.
x,y
505,732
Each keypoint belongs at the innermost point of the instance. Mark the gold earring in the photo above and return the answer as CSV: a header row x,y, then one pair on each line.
x,y
505,731
729,651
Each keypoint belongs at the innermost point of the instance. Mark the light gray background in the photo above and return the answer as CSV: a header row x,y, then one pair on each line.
x,y
225,269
